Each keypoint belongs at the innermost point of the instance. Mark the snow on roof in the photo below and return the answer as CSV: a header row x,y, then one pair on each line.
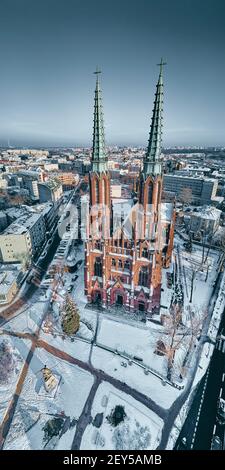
x,y
207,212
6,281
22,224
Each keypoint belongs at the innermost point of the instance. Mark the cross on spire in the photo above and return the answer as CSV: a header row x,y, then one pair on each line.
x,y
97,71
161,64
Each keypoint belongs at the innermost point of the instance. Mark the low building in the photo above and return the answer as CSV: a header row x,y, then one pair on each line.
x,y
49,212
203,190
205,219
115,190
51,190
23,238
8,286
30,182
68,180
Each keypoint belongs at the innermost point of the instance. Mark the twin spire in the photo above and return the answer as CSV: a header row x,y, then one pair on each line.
x,y
152,159
99,158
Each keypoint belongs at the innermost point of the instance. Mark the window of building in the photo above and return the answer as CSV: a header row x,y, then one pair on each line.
x,y
113,262
150,193
120,263
127,264
98,245
145,252
96,192
98,267
144,277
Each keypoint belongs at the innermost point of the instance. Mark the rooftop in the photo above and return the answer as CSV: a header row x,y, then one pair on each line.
x,y
6,281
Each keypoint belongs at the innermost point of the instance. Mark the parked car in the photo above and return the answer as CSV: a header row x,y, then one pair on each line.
x,y
43,255
221,411
216,443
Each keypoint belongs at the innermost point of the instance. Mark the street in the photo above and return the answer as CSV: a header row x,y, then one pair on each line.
x,y
30,289
201,423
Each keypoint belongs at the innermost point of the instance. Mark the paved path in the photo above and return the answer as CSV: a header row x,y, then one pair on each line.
x,y
85,417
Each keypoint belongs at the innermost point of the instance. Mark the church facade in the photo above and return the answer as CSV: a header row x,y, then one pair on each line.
x,y
123,263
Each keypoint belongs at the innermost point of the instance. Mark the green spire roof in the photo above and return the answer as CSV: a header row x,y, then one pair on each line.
x,y
152,160
99,158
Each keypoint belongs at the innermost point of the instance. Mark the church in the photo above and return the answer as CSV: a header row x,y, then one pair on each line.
x,y
124,262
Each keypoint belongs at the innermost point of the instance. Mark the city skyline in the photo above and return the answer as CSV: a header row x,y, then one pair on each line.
x,y
49,52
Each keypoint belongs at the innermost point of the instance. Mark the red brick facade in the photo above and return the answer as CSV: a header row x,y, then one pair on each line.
x,y
119,271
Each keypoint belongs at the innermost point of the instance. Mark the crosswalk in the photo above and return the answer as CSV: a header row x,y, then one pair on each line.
x,y
220,345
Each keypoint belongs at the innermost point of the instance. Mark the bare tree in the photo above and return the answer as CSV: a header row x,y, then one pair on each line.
x,y
177,334
194,326
171,340
24,258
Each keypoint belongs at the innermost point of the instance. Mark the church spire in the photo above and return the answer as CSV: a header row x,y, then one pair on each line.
x,y
152,160
99,158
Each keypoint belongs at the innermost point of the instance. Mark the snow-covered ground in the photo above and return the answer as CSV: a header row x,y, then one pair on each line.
x,y
76,348
133,339
140,429
34,408
134,376
20,350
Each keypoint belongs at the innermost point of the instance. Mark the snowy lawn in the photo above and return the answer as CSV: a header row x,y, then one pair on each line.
x,y
76,348
134,376
35,409
134,340
140,428
19,351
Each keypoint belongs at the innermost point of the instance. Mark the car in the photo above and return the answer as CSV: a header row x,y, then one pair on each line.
x,y
216,443
43,255
221,411
46,282
75,278
70,288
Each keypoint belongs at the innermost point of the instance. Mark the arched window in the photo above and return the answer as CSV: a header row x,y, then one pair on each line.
x,y
159,193
127,264
98,267
120,264
96,191
98,245
145,252
150,193
106,194
143,277
103,191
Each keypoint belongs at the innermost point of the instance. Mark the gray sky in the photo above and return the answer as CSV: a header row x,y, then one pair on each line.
x,y
49,49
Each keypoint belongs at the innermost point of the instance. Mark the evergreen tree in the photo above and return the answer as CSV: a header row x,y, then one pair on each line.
x,y
70,317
